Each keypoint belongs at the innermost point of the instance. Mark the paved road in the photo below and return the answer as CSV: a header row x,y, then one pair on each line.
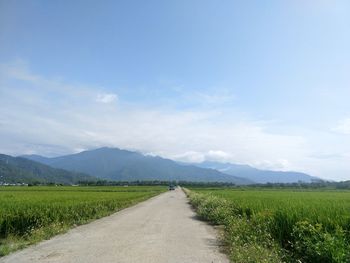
x,y
160,230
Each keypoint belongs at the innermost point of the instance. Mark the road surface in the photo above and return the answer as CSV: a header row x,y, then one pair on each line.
x,y
162,229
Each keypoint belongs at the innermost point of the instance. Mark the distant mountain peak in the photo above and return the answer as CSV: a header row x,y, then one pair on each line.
x,y
258,175
24,170
117,164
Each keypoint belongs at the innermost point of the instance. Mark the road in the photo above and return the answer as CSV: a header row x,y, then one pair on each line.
x,y
162,229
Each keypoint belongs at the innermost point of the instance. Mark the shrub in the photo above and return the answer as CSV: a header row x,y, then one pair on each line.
x,y
313,244
246,235
282,234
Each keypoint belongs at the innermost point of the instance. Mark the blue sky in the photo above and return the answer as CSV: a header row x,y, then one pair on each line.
x,y
265,83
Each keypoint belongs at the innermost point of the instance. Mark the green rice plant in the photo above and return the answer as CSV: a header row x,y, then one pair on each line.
x,y
29,214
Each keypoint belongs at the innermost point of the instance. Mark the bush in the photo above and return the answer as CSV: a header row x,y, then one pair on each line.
x,y
313,244
246,235
272,236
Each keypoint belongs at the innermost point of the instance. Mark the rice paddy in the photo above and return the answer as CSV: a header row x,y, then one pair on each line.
x,y
30,214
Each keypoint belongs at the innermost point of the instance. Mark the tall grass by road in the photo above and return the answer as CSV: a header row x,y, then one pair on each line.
x,y
30,214
279,225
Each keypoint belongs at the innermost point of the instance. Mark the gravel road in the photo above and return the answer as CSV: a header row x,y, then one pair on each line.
x,y
162,229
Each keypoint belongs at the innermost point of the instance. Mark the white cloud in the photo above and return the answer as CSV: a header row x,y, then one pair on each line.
x,y
217,96
208,97
343,126
190,157
197,157
217,155
106,97
45,116
279,164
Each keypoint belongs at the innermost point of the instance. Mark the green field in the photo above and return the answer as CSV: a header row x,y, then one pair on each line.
x,y
282,225
30,214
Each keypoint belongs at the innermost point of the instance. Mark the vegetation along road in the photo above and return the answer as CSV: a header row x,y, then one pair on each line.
x,y
161,229
279,225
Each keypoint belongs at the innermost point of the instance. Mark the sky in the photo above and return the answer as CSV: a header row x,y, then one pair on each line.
x,y
264,83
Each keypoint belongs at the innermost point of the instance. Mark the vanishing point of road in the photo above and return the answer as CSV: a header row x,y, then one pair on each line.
x,y
162,229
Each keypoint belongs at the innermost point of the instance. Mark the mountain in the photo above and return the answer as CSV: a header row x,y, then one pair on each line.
x,y
122,165
257,175
21,170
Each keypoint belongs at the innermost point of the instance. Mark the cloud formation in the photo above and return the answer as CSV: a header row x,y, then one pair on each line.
x,y
45,116
343,127
106,97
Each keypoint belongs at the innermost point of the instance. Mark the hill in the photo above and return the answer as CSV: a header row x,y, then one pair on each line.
x,y
116,164
257,175
21,170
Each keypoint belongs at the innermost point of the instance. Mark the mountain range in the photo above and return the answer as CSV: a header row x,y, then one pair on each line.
x,y
22,170
122,165
257,175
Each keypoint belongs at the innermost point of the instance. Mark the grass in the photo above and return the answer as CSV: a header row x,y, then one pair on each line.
x,y
31,214
279,225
